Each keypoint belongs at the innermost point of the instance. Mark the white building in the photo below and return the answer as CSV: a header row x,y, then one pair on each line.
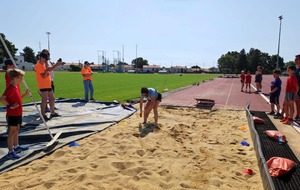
x,y
21,64
151,68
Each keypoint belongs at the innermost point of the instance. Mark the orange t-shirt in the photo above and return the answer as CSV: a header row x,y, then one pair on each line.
x,y
42,82
85,71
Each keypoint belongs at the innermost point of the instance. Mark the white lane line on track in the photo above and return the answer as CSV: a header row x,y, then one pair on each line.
x,y
262,95
293,124
229,94
208,91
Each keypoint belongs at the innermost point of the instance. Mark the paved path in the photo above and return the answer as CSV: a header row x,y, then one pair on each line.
x,y
225,91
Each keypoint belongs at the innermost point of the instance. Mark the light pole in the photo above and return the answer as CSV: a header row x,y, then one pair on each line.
x,y
280,19
48,34
118,58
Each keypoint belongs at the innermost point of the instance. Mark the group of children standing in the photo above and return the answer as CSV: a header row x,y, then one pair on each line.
x,y
246,79
292,91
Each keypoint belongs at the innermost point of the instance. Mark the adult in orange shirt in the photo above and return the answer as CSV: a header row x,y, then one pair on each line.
x,y
87,73
43,79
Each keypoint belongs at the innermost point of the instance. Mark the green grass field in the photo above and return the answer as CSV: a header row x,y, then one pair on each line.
x,y
109,86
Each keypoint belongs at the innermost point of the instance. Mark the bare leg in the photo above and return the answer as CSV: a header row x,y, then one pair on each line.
x,y
272,107
298,106
147,111
11,137
51,101
278,108
156,111
16,137
44,96
292,110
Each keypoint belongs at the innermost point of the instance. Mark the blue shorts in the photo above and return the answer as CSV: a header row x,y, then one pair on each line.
x,y
289,96
274,99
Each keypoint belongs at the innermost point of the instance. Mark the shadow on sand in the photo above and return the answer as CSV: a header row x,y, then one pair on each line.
x,y
147,128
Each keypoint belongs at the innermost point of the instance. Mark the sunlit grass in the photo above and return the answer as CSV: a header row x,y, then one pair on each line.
x,y
110,86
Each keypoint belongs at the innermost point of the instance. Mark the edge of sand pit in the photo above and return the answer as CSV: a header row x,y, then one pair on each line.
x,y
264,172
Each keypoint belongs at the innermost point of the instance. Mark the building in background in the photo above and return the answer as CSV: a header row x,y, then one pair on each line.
x,y
151,68
21,64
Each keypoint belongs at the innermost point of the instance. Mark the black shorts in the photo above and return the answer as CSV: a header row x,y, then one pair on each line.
x,y
159,97
46,90
274,99
258,79
14,120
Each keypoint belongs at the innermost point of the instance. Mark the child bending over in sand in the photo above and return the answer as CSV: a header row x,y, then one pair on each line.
x,y
153,99
13,101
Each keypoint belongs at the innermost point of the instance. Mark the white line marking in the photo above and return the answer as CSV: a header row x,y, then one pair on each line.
x,y
262,95
229,94
293,124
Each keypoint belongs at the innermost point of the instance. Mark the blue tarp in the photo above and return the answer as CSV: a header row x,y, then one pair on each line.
x,y
79,119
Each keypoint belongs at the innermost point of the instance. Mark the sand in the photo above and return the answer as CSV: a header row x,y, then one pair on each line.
x,y
189,149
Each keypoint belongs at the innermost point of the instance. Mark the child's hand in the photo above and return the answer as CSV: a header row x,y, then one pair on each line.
x,y
27,92
14,106
141,114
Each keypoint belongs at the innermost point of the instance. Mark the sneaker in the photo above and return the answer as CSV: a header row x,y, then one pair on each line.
x,y
46,118
271,113
20,148
278,116
92,99
13,155
284,119
297,118
287,121
54,115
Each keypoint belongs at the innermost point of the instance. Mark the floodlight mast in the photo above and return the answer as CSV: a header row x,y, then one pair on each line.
x,y
280,19
48,34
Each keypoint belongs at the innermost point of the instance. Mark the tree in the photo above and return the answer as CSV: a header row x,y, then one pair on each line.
x,y
242,61
29,55
11,47
234,62
196,67
228,63
290,63
139,62
75,68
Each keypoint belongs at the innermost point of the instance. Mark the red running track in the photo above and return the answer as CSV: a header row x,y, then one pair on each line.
x,y
227,94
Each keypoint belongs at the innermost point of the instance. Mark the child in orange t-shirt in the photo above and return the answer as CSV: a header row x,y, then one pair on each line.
x,y
248,82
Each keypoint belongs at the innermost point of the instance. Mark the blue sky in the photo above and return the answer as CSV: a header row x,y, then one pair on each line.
x,y
166,32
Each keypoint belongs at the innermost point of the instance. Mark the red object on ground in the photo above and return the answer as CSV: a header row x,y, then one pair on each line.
x,y
275,134
248,171
279,166
258,120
